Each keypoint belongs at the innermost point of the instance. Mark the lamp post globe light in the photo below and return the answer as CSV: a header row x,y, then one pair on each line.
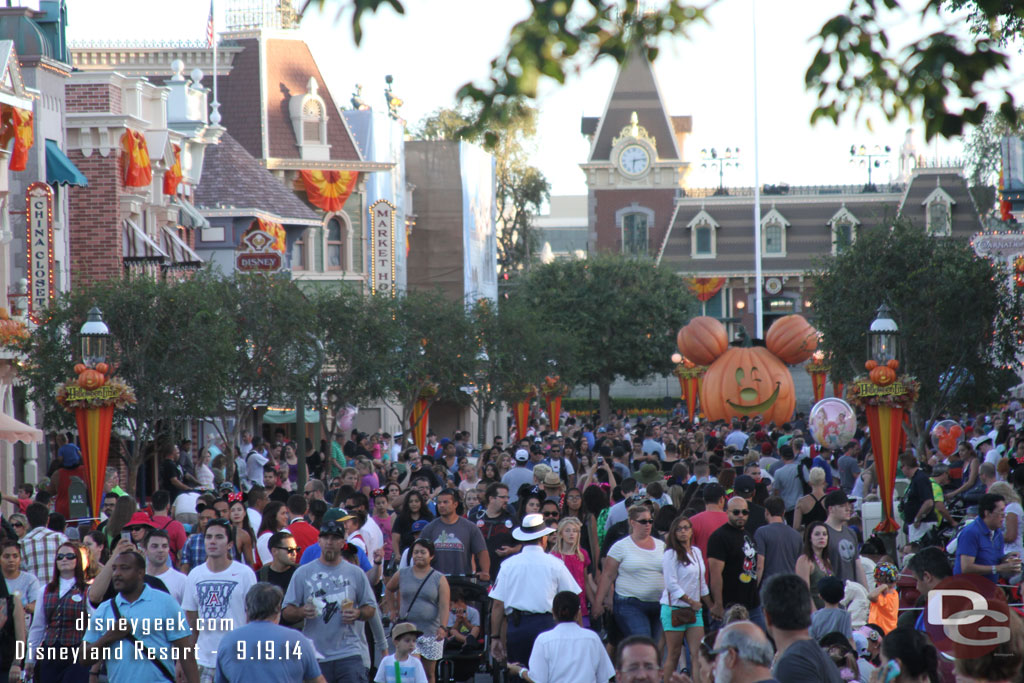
x,y
94,335
883,336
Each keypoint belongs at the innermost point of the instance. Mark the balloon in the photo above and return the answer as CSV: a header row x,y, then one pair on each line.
x,y
832,423
947,436
345,417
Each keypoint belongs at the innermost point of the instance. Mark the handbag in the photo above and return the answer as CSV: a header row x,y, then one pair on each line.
x,y
683,616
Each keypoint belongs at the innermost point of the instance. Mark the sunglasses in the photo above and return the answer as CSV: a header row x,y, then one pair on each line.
x,y
65,556
644,521
290,551
550,515
17,524
739,512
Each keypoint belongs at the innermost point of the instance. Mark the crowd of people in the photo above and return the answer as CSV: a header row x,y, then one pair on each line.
x,y
642,550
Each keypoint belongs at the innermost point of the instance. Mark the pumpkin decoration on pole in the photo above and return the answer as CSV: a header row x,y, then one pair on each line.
x,y
93,396
747,379
690,375
818,370
885,398
554,389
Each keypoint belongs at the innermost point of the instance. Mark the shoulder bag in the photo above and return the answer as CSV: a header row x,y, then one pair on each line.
x,y
685,615
416,595
169,675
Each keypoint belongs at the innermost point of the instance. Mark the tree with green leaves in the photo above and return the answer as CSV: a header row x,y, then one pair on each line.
x,y
620,314
168,340
984,158
959,315
520,189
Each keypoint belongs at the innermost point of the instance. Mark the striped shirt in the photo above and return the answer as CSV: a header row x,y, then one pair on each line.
x,y
640,572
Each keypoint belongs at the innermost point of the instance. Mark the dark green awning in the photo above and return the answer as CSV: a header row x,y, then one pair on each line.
x,y
60,170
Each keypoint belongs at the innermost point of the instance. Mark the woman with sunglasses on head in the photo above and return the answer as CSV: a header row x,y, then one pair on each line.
x,y
685,586
633,578
64,607
244,536
275,518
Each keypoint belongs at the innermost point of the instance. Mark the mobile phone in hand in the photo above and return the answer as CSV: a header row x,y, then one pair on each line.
x,y
126,535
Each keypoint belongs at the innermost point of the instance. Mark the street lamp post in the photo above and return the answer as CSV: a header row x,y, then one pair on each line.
x,y
730,159
882,336
94,335
874,157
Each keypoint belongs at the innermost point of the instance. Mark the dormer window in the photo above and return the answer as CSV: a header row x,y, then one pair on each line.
x,y
703,243
309,121
773,234
843,226
938,213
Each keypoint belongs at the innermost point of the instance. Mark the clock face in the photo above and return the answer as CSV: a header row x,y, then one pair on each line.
x,y
634,160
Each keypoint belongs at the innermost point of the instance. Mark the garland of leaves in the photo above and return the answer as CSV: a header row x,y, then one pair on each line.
x,y
553,386
691,372
117,393
911,385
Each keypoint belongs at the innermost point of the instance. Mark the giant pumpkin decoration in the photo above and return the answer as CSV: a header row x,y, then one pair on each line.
x,y
747,380
792,339
702,340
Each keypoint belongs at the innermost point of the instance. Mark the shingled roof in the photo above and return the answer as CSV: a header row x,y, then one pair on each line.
x,y
636,90
233,178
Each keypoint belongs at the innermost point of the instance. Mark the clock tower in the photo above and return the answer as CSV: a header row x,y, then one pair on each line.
x,y
635,166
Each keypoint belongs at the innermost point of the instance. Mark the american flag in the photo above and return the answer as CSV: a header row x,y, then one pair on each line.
x,y
209,27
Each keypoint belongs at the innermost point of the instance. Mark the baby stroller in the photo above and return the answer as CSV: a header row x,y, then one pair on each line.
x,y
469,662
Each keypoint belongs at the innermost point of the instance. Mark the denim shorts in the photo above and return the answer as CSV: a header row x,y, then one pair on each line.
x,y
666,620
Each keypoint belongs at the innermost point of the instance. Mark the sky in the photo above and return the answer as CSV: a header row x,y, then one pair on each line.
x,y
440,44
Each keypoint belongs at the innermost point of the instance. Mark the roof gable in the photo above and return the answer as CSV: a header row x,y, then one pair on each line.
x,y
11,83
635,90
289,66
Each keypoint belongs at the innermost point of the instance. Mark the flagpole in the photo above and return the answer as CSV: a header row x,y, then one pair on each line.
x,y
215,105
759,305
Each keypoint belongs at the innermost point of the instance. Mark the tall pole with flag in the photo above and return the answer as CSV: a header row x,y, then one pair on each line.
x,y
211,42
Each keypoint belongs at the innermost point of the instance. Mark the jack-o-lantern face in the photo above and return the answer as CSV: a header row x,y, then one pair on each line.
x,y
748,381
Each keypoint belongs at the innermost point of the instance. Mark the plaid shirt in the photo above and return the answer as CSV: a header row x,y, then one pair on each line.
x,y
194,552
39,552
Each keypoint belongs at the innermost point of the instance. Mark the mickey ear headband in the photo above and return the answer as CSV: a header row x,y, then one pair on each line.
x,y
235,497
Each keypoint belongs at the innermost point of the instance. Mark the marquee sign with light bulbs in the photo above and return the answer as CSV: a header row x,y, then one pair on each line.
x,y
39,250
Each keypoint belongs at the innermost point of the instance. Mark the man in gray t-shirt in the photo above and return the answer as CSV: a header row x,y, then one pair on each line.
x,y
457,541
849,468
334,597
787,481
778,544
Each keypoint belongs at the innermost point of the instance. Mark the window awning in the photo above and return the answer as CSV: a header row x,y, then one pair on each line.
x,y
276,416
60,170
182,255
189,216
140,247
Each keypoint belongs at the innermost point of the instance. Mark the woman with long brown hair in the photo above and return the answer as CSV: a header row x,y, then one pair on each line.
x,y
813,564
124,508
275,518
245,542
685,586
63,609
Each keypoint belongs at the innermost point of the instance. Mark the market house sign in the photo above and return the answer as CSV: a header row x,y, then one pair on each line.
x,y
39,243
257,253
382,260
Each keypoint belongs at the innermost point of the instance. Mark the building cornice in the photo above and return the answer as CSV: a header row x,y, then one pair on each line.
x,y
275,164
236,212
151,60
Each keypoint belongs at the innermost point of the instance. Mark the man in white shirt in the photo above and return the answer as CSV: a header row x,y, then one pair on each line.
x,y
215,592
255,461
526,588
157,550
589,662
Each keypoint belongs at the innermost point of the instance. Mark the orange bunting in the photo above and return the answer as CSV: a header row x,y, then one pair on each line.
x,y
275,230
137,169
16,124
705,287
328,190
173,175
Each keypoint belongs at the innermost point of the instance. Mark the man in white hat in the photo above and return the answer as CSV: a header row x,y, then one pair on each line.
x,y
518,475
525,591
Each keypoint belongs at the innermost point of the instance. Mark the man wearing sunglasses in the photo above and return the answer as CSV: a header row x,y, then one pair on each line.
x,y
732,565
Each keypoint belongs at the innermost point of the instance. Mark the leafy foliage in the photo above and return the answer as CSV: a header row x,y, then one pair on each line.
x,y
621,315
984,157
959,318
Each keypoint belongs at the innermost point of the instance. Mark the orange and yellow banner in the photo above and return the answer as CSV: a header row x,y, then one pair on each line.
x,y
690,388
521,414
554,405
94,430
705,287
886,425
418,423
837,389
818,384
138,171
328,190
16,124
173,175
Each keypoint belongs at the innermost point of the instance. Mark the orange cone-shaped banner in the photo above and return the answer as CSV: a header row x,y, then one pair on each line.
x,y
521,413
818,385
173,175
418,423
886,425
554,411
837,389
94,430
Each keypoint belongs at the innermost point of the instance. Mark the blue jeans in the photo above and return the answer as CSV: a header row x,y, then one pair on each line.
x,y
637,617
344,670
